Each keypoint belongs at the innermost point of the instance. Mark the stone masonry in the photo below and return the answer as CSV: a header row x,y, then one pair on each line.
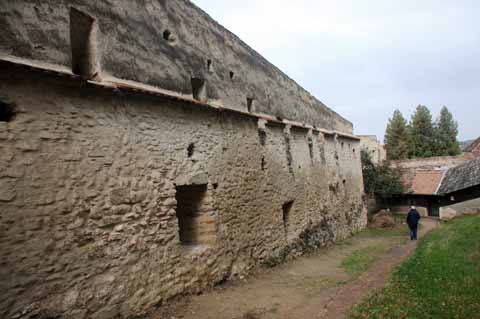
x,y
371,145
126,182
473,148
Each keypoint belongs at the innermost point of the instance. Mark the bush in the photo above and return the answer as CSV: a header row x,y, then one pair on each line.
x,y
380,180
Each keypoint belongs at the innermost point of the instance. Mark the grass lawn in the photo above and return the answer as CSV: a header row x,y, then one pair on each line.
x,y
398,232
360,260
440,280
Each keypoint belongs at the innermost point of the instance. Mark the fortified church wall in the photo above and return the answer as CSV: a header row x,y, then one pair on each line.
x,y
138,165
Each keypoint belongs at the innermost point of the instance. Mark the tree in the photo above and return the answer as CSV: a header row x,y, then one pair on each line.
x,y
446,132
369,172
421,138
396,137
422,134
380,180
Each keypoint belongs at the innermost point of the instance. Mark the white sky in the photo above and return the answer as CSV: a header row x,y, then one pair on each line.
x,y
365,58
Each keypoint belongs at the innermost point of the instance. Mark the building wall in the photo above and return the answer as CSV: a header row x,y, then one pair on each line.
x,y
370,144
476,150
415,171
88,197
473,147
131,44
433,163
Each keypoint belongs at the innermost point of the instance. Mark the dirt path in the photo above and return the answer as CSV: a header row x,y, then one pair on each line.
x,y
310,287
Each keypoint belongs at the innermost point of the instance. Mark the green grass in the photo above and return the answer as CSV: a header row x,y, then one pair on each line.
x,y
400,231
441,279
383,232
399,217
360,260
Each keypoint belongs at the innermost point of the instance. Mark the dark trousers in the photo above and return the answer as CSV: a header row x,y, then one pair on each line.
x,y
413,232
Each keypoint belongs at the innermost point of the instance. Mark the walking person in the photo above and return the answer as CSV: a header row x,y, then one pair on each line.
x,y
413,218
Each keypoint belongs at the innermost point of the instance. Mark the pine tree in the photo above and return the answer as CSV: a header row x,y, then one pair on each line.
x,y
446,130
422,134
396,137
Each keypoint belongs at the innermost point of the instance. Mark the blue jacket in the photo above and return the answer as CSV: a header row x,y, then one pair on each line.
x,y
413,218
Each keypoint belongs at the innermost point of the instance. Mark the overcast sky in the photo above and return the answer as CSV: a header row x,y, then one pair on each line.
x,y
365,58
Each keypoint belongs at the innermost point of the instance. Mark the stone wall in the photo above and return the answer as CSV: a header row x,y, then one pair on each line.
x,y
476,150
148,153
465,208
473,148
169,44
89,191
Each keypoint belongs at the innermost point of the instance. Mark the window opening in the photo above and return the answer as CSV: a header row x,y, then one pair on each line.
x,y
166,35
209,65
190,150
195,220
199,89
83,41
262,136
250,102
8,111
286,209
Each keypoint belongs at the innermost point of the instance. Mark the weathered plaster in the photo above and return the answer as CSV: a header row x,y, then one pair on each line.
x,y
88,197
90,171
131,46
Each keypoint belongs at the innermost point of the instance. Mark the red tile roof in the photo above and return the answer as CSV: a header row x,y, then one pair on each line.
x,y
426,182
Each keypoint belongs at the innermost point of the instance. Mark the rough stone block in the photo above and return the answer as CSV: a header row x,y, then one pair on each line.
x,y
28,145
8,190
120,196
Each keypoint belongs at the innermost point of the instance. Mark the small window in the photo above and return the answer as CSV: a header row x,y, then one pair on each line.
x,y
166,35
286,209
209,65
262,136
199,89
232,75
169,37
190,150
310,149
250,104
195,220
288,150
83,41
8,110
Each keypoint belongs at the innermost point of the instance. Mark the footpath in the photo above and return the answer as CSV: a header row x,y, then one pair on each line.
x,y
319,286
